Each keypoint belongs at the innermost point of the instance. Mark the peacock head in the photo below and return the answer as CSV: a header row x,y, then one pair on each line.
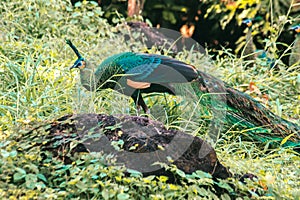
x,y
80,63
248,22
296,29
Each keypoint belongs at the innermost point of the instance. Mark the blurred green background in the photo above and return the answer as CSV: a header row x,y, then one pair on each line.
x,y
215,24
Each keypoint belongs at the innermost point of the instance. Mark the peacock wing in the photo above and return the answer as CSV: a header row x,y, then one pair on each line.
x,y
154,68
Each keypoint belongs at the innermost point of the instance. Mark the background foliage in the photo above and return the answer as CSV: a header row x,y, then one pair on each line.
x,y
37,86
222,17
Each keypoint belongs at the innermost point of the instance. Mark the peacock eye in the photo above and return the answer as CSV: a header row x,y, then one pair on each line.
x,y
81,65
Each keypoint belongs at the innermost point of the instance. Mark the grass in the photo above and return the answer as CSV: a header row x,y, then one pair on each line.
x,y
37,86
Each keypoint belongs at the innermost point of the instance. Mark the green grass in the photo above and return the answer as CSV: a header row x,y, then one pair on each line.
x,y
37,87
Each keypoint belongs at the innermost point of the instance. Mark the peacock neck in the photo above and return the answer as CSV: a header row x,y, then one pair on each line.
x,y
295,55
87,77
249,49
297,38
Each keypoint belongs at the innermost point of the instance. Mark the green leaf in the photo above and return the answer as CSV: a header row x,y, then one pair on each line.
x,y
13,153
76,14
95,177
78,4
202,174
4,143
31,180
225,196
86,20
18,176
223,184
90,14
180,173
134,173
21,171
69,9
203,191
123,196
4,153
102,175
98,11
42,177
105,194
40,185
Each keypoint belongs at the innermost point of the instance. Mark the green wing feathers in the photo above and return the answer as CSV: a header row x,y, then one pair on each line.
x,y
150,68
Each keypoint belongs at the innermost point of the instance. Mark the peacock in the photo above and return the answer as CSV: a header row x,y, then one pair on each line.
x,y
250,50
135,73
295,54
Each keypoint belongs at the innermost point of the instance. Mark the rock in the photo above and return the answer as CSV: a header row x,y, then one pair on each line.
x,y
136,142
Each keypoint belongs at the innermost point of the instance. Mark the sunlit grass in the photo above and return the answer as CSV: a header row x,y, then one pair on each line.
x,y
36,86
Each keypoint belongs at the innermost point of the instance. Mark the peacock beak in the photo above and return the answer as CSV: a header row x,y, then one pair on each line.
x,y
248,22
79,63
295,28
